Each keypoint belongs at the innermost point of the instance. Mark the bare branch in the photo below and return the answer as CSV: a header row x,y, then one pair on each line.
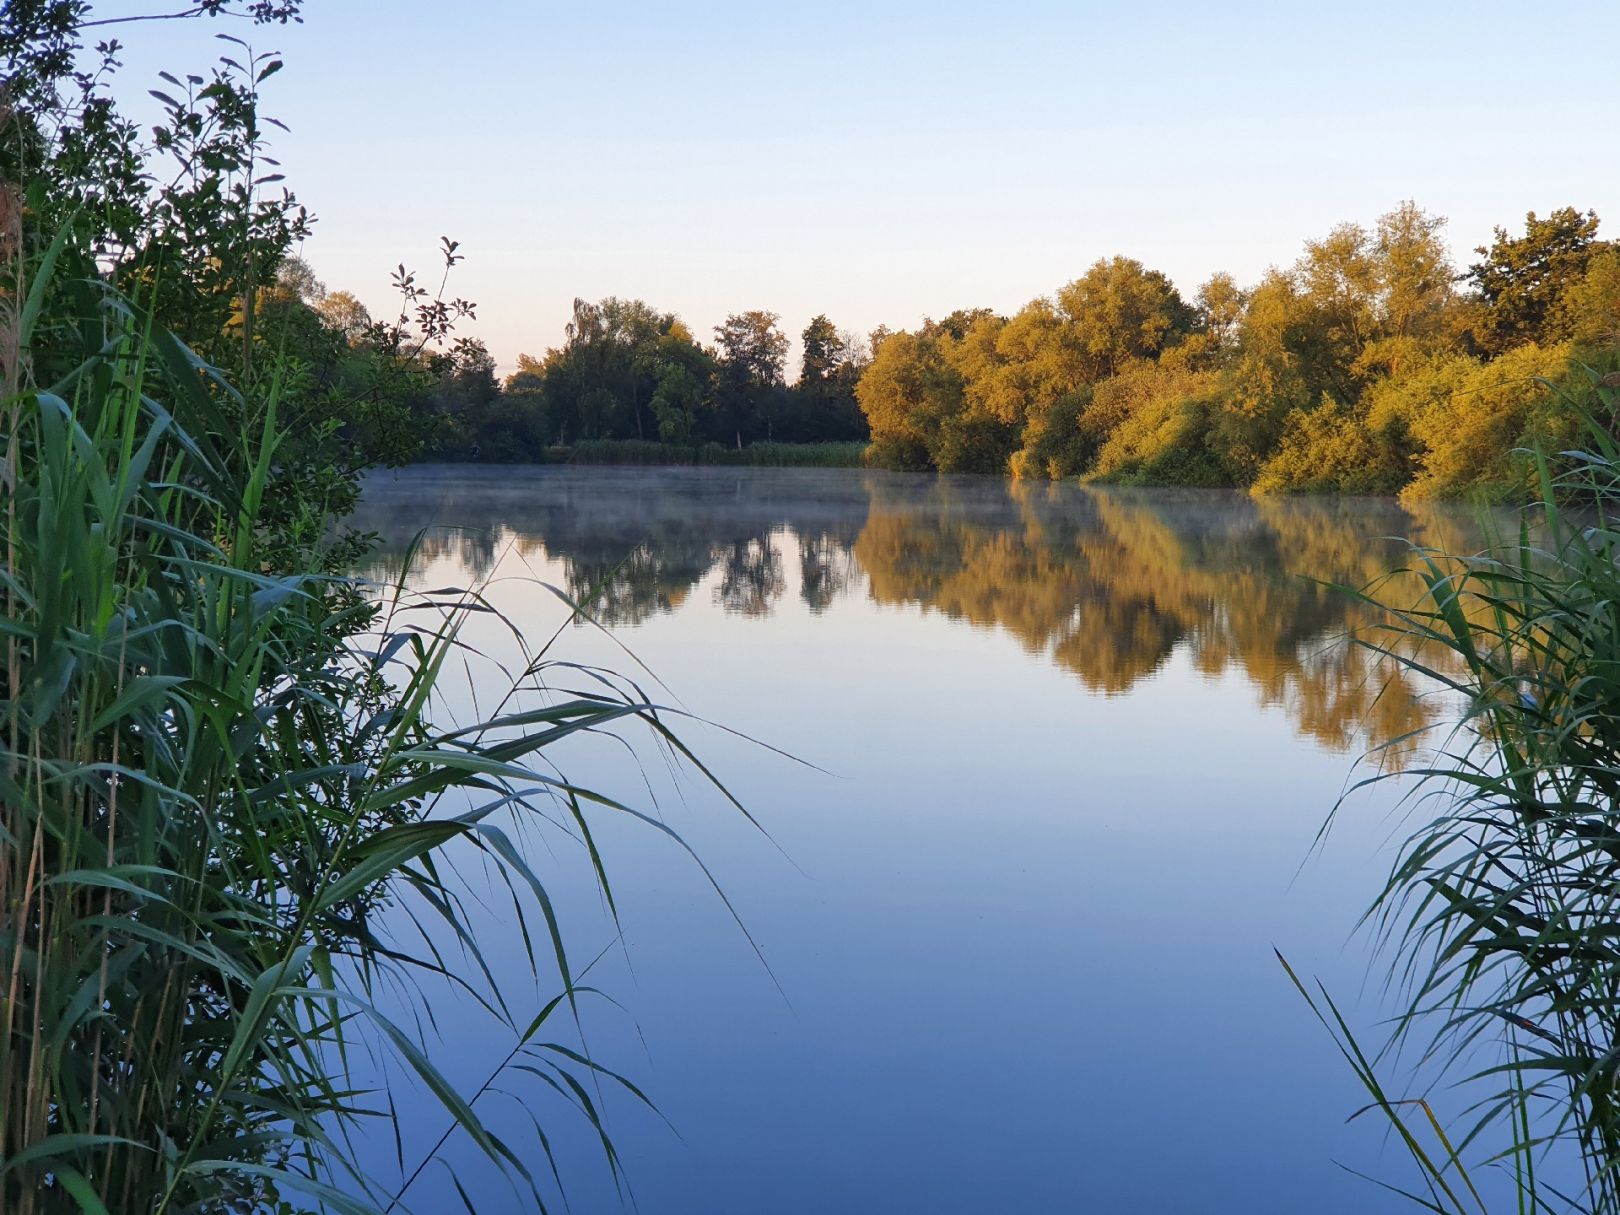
x,y
192,12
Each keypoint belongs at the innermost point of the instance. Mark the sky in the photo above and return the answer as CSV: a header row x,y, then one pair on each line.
x,y
883,162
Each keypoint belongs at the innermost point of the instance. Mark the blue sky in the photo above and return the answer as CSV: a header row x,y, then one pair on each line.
x,y
884,161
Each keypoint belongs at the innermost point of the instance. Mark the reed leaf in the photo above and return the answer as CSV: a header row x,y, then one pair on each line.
x,y
1501,913
221,790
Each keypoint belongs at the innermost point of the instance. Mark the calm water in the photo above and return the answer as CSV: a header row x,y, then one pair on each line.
x,y
1071,751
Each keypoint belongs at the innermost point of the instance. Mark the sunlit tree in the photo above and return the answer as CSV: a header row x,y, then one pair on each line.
x,y
1522,279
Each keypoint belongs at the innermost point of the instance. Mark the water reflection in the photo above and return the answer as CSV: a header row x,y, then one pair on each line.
x,y
1108,584
1072,747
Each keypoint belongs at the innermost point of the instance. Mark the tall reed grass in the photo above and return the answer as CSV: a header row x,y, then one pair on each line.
x,y
220,780
1502,913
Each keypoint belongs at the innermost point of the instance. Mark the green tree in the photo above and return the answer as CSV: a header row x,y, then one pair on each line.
x,y
821,407
753,357
683,401
1522,279
822,352
601,382
188,212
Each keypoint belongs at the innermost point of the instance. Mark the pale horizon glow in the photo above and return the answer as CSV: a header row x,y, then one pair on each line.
x,y
885,162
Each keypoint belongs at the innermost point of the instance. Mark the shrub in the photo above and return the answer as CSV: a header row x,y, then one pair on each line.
x,y
899,452
1162,443
1055,446
1332,449
1472,423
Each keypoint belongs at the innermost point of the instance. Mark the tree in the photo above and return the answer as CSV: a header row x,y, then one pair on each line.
x,y
296,277
180,213
600,383
1118,311
1413,274
918,403
905,392
345,314
821,406
823,352
1018,367
1357,304
1589,311
676,404
683,401
185,217
753,353
1522,279
1220,303
752,348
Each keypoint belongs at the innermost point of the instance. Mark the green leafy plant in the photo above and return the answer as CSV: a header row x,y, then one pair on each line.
x,y
213,779
1501,911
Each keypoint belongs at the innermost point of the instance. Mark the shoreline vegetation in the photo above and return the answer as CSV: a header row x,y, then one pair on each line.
x,y
1371,365
220,776
1497,917
753,455
240,862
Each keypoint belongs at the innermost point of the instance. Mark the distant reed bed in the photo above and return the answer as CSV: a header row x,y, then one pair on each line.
x,y
767,455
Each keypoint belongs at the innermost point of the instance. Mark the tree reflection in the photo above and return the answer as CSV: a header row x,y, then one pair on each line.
x,y
826,566
1109,585
750,576
615,587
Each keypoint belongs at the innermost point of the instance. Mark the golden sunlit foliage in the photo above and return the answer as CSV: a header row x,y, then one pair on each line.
x,y
1361,368
1111,590
1156,419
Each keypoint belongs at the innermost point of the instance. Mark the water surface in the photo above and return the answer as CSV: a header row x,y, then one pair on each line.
x,y
1072,749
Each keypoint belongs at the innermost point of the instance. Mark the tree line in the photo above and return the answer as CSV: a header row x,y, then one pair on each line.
x,y
1371,365
625,371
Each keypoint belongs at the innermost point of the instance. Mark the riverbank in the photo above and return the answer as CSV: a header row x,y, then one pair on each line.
x,y
650,453
637,453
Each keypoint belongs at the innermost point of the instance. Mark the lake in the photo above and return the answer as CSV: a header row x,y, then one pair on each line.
x,y
1065,756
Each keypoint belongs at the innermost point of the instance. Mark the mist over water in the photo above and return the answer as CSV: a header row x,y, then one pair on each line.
x,y
1071,748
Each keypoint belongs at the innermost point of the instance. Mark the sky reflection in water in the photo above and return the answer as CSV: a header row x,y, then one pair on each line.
x,y
1076,747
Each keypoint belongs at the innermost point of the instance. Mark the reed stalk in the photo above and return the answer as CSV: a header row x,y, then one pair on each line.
x,y
219,775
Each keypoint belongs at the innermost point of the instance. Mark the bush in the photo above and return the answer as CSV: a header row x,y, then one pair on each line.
x,y
1163,443
1473,423
1332,450
897,452
972,443
1055,446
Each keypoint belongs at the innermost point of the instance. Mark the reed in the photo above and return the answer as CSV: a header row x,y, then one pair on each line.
x,y
1502,912
219,779
768,455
